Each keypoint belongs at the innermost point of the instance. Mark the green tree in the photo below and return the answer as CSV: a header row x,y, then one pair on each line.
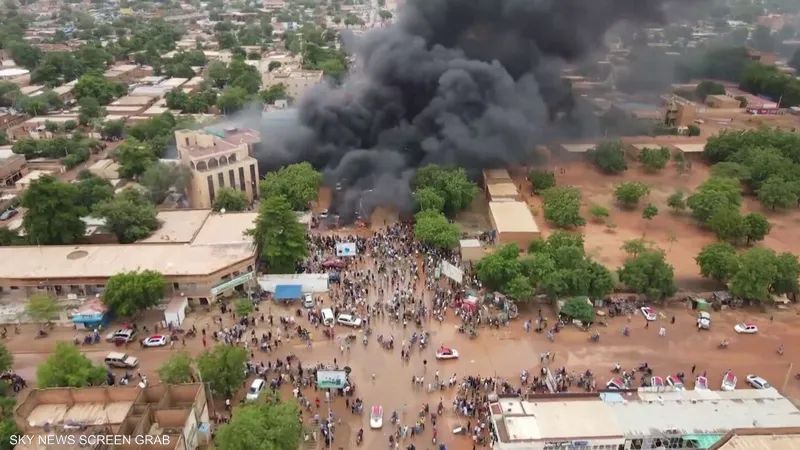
x,y
217,73
562,207
93,190
112,129
519,288
275,92
134,157
634,247
601,282
223,368
629,193
160,178
452,184
718,261
433,228
270,425
42,308
578,308
89,109
541,180
757,271
756,227
609,157
785,281
8,237
598,213
243,306
728,224
68,367
714,193
677,201
654,159
129,215
177,369
648,273
298,183
6,358
692,130
428,199
24,54
281,238
499,268
731,169
129,293
53,212
649,212
97,87
232,99
230,199
706,88
777,193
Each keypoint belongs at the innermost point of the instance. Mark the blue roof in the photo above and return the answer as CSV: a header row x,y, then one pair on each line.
x,y
288,291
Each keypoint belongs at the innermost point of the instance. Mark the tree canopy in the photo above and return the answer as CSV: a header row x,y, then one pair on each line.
x,y
451,184
629,193
706,88
278,234
578,308
718,261
713,194
177,369
53,212
269,425
160,177
609,157
541,180
42,308
298,183
428,199
129,215
230,199
432,228
648,273
97,87
654,159
134,157
562,207
223,368
128,293
68,367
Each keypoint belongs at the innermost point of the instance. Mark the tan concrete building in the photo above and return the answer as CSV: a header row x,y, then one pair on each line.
x,y
722,102
498,192
12,168
201,254
514,223
168,417
296,80
217,160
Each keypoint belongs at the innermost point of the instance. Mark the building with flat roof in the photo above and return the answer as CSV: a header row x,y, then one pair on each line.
x,y
513,222
642,420
759,439
491,176
171,416
12,168
296,79
218,159
197,251
498,192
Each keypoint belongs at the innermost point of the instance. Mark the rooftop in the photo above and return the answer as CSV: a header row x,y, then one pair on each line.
x,y
225,229
555,419
178,226
513,217
704,412
502,190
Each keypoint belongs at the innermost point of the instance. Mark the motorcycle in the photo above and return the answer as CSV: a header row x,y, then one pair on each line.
x,y
41,334
360,436
523,377
723,345
595,337
365,340
394,418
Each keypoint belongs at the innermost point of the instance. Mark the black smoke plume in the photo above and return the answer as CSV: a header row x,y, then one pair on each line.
x,y
473,83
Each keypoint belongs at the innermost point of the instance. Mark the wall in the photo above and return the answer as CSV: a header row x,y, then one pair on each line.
x,y
523,239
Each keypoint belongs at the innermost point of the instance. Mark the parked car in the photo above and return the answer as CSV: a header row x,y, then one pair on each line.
x,y
9,213
446,353
616,384
158,340
323,214
348,320
121,335
674,382
308,301
256,387
758,382
746,328
649,313
729,381
121,360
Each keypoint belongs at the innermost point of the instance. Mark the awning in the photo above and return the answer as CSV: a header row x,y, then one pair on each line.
x,y
288,292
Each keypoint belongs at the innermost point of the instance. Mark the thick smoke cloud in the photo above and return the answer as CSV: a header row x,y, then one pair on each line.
x,y
474,83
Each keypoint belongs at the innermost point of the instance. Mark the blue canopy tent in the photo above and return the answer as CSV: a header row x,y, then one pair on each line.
x,y
286,292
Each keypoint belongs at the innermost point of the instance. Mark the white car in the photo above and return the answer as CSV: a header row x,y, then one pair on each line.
x,y
446,353
376,417
121,335
308,301
746,328
255,389
675,382
156,341
758,382
323,214
348,320
703,321
649,313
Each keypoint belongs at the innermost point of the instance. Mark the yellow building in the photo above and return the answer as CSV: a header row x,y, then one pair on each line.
x,y
219,159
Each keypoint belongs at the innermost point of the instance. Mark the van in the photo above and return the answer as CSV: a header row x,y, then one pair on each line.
x,y
327,317
121,360
255,390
